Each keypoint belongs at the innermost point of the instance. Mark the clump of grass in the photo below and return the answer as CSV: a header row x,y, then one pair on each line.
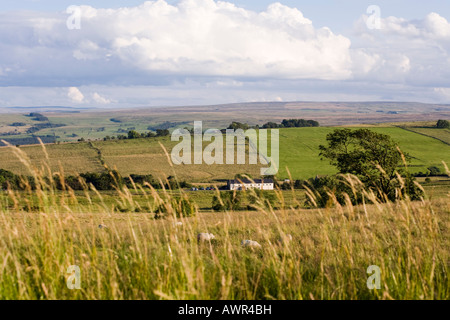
x,y
140,257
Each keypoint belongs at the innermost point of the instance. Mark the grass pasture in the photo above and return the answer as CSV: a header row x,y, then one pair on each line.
x,y
45,231
298,152
73,157
439,134
138,257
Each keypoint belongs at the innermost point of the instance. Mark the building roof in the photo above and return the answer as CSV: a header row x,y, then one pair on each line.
x,y
246,181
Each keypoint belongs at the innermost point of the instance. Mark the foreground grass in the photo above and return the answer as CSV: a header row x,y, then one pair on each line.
x,y
138,257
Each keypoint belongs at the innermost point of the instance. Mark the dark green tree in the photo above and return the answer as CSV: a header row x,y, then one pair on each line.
x,y
228,200
132,134
260,199
434,171
269,125
443,124
7,177
176,207
162,132
373,157
150,135
238,125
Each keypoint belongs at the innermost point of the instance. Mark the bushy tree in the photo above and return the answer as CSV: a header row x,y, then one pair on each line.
x,y
142,180
298,123
7,178
176,207
373,157
132,134
434,171
238,125
149,135
326,188
173,184
292,123
70,181
162,132
103,181
270,125
15,182
443,124
260,199
228,200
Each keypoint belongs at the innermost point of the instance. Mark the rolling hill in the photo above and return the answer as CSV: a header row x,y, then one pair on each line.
x,y
298,153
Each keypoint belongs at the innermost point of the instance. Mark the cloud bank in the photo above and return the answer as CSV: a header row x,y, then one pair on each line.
x,y
216,43
415,52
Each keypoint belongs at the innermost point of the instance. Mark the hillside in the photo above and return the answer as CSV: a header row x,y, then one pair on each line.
x,y
298,152
68,124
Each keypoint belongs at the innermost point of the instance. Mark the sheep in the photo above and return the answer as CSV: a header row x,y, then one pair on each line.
x,y
250,243
285,239
205,237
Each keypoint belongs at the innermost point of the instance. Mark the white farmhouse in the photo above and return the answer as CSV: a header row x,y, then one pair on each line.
x,y
262,184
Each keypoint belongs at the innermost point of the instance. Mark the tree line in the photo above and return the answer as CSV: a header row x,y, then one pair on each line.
x,y
291,123
286,123
37,116
133,134
30,140
108,180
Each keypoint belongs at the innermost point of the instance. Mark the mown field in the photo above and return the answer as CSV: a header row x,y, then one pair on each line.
x,y
299,152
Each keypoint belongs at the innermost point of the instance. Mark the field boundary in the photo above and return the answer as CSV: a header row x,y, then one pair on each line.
x,y
423,134
99,153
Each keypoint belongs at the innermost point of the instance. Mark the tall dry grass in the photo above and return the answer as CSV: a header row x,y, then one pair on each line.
x,y
138,257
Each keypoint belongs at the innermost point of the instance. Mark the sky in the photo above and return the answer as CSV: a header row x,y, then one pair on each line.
x,y
107,54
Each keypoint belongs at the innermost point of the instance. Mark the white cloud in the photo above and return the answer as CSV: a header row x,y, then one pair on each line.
x,y
433,26
437,26
443,93
225,48
217,38
87,50
99,99
75,95
415,52
195,37
279,99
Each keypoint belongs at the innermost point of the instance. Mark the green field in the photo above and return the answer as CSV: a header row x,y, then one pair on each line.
x,y
299,150
299,153
134,255
439,134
